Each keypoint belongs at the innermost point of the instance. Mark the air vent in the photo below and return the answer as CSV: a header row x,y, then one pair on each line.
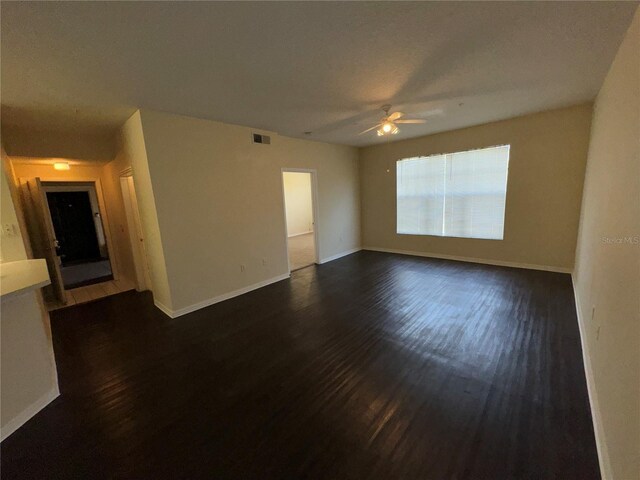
x,y
257,138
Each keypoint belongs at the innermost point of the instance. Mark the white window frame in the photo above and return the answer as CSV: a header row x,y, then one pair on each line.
x,y
446,169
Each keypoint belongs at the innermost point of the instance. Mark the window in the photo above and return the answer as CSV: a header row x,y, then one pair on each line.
x,y
453,195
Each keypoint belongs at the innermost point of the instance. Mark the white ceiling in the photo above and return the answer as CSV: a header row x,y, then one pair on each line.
x,y
295,67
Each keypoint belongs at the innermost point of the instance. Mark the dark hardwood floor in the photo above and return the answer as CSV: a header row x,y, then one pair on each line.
x,y
374,366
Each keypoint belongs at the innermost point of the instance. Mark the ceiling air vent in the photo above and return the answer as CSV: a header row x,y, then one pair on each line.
x,y
257,138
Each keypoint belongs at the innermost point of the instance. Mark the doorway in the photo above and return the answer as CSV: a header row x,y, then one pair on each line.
x,y
299,187
80,240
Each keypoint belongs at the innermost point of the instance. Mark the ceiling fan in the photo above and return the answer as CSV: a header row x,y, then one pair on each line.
x,y
389,123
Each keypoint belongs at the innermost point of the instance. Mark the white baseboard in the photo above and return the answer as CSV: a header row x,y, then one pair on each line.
x,y
339,255
24,416
298,234
163,308
500,263
601,445
225,296
220,298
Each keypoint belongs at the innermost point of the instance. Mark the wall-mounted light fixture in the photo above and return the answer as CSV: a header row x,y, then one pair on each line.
x,y
61,166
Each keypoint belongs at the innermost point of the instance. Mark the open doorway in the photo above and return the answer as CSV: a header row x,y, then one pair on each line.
x,y
73,223
80,239
300,199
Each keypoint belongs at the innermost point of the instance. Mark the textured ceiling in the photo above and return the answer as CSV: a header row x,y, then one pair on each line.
x,y
306,66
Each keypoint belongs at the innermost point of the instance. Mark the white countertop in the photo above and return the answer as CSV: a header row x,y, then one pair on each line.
x,y
23,275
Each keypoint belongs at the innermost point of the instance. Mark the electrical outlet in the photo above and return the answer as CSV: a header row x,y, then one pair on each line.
x,y
264,262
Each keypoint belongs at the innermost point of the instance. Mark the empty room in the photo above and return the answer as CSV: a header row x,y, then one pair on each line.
x,y
328,240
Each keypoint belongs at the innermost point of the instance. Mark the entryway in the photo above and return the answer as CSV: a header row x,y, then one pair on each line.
x,y
300,212
80,239
67,225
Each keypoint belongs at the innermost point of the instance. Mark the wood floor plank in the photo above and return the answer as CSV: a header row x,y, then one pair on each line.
x,y
373,366
110,288
95,291
81,294
70,299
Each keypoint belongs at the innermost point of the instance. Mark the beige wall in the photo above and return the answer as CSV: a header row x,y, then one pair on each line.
x,y
299,206
27,366
607,274
28,378
21,142
220,205
11,247
546,171
117,215
23,168
132,151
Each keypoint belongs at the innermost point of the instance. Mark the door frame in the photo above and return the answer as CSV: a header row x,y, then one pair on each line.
x,y
102,205
91,190
136,233
314,210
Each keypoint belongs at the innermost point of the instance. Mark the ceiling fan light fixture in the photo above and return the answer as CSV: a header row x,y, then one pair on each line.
x,y
388,125
387,128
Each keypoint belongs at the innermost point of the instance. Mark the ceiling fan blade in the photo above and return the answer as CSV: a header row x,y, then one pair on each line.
x,y
412,120
394,116
369,129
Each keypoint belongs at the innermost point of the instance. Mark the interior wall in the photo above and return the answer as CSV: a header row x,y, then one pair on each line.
x,y
298,202
28,378
220,205
11,247
132,152
27,366
607,273
136,234
114,218
23,142
546,172
117,215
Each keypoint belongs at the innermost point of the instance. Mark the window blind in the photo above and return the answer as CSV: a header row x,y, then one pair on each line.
x,y
459,194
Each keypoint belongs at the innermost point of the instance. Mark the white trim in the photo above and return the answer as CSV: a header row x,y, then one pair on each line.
x,y
339,255
25,415
219,298
163,308
298,234
456,258
601,444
